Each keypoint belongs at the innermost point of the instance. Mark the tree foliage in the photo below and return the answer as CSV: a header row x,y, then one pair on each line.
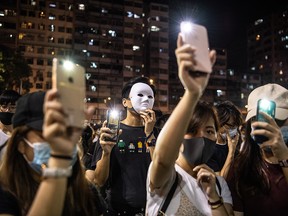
x,y
13,69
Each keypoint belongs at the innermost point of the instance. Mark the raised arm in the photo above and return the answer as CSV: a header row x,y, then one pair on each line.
x,y
171,136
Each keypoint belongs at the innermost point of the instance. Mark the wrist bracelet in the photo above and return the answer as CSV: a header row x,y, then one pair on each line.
x,y
283,163
57,172
64,157
217,204
149,135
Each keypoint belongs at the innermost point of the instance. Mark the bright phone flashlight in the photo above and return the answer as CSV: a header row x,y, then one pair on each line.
x,y
186,26
68,65
114,113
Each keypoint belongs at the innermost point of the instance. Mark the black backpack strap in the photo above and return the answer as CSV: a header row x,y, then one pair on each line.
x,y
167,201
218,185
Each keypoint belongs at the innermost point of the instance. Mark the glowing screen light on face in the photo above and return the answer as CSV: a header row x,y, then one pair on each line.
x,y
186,26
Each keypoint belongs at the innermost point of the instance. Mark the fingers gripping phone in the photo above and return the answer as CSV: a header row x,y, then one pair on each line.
x,y
113,122
69,80
268,107
196,35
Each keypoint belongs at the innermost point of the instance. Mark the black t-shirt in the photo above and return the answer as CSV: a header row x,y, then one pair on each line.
x,y
129,164
8,203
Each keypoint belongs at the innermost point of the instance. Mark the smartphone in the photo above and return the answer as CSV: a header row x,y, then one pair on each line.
x,y
196,35
69,80
113,122
268,107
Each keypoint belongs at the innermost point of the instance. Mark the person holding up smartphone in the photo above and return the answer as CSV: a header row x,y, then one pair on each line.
x,y
258,177
121,163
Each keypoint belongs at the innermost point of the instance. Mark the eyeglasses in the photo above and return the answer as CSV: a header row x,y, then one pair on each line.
x,y
7,107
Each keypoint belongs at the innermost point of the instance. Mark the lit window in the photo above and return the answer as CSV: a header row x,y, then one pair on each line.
x,y
52,17
112,33
104,10
93,65
129,14
91,42
155,29
136,16
136,48
93,88
52,5
81,7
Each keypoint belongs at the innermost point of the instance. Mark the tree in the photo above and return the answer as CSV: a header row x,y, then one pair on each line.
x,y
14,69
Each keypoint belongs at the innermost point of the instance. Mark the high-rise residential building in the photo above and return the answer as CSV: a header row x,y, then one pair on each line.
x,y
267,52
114,40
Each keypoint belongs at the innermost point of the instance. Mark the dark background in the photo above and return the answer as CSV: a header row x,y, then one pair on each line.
x,y
226,22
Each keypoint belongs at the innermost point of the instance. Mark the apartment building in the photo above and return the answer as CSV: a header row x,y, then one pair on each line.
x,y
114,40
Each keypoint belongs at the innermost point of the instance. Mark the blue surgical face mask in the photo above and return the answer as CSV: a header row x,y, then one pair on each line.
x,y
42,155
232,133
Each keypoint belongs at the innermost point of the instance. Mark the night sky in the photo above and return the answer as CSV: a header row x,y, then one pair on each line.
x,y
225,20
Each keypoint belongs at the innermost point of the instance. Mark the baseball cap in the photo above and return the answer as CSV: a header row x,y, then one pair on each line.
x,y
29,111
271,91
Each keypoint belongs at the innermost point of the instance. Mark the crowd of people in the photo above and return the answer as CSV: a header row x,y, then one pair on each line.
x,y
200,159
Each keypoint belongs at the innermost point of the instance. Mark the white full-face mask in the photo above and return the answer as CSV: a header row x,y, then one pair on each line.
x,y
142,97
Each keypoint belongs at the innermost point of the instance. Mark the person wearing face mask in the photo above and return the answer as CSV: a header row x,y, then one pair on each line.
x,y
258,176
121,167
8,100
41,173
228,139
179,182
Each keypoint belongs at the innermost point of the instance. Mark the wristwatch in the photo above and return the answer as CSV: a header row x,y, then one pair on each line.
x,y
151,143
283,163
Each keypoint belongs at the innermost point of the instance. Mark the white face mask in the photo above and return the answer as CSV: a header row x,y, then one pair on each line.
x,y
142,97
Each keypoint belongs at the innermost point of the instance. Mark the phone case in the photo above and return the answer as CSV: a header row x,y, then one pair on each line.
x,y
268,107
70,84
113,122
198,37
265,106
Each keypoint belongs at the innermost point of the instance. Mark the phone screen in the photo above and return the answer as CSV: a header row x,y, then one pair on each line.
x,y
69,80
113,122
268,107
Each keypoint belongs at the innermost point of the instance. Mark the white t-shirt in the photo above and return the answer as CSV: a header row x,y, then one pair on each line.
x,y
190,188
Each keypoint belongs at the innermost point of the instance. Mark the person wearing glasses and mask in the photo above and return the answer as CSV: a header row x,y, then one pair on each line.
x,y
8,100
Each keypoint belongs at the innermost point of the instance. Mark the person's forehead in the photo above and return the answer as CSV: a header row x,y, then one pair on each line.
x,y
141,87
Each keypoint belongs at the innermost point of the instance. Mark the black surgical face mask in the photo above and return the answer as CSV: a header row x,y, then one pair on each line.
x,y
6,118
198,150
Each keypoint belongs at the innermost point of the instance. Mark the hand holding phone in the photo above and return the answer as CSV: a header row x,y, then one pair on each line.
x,y
268,107
196,35
113,123
69,80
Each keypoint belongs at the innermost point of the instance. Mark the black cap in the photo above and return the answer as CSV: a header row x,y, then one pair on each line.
x,y
29,111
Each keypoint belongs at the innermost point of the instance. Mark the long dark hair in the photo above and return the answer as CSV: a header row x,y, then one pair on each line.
x,y
16,176
249,169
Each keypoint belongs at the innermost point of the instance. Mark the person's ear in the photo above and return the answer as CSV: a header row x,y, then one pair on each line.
x,y
124,102
21,147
